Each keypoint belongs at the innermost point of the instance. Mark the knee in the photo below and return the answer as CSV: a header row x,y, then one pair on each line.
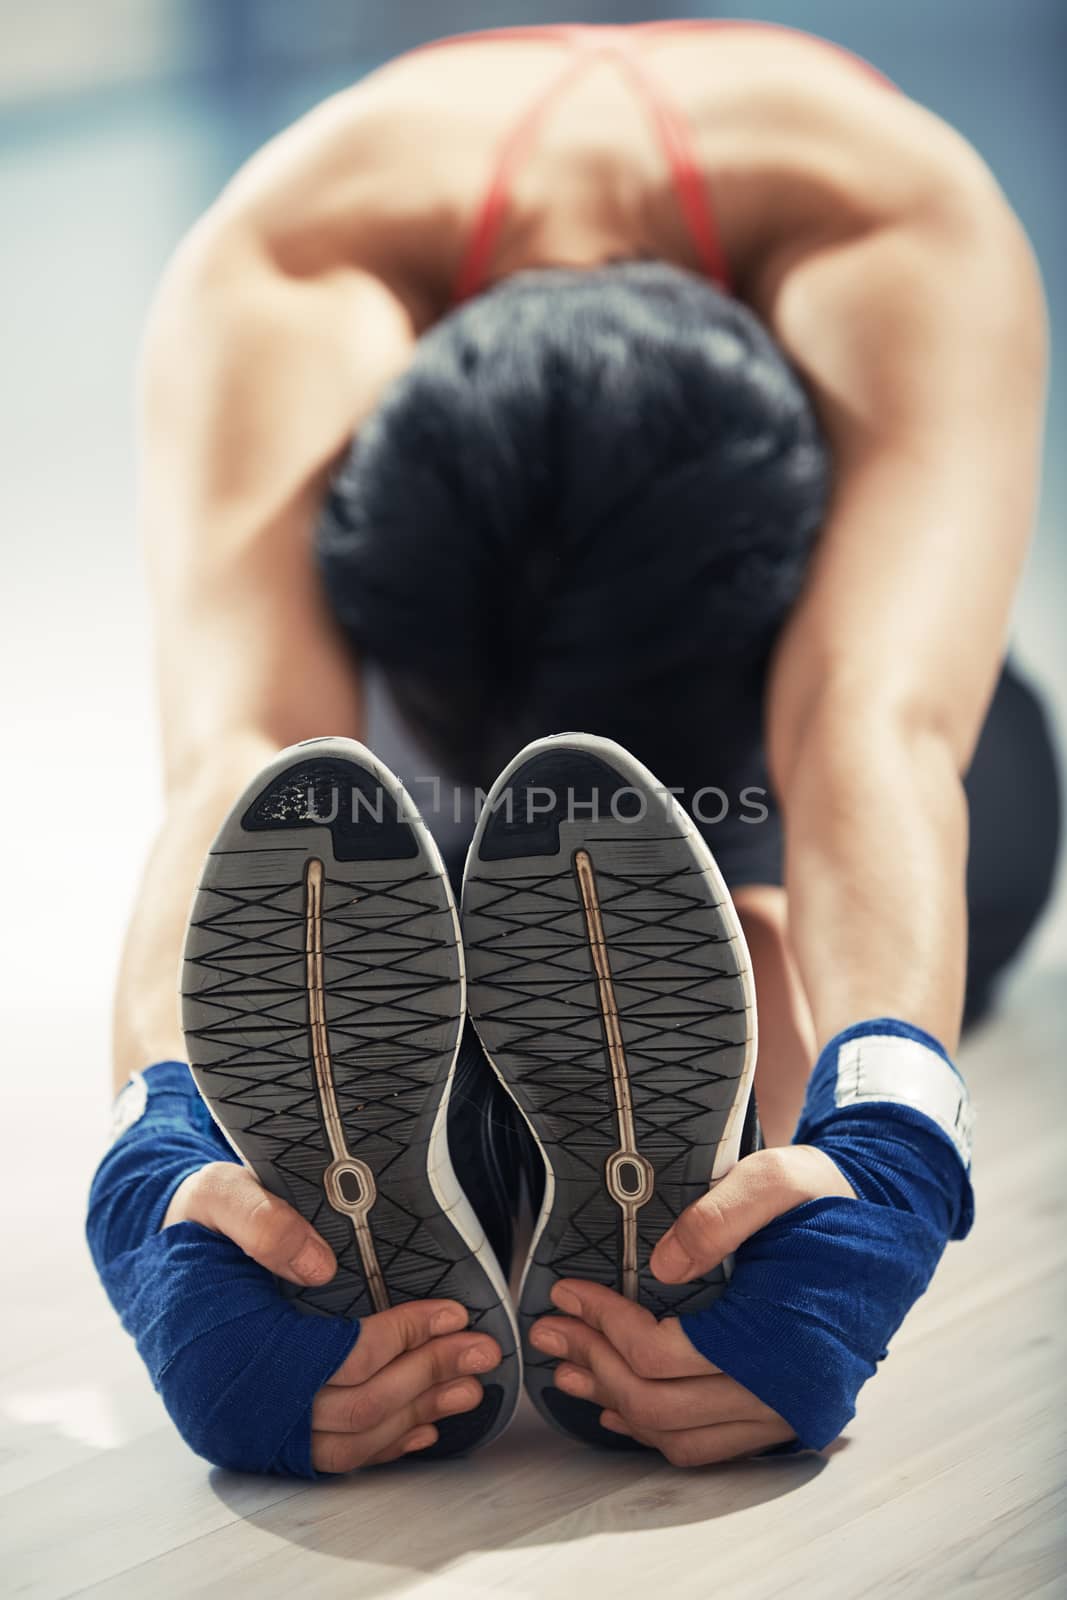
x,y
1015,798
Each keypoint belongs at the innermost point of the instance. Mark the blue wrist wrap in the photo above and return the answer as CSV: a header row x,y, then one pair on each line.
x,y
816,1296
237,1365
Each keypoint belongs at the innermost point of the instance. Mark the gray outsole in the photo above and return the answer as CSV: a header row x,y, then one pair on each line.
x,y
392,1003
680,983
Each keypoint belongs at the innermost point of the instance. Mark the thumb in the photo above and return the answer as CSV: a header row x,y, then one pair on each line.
x,y
231,1200
760,1188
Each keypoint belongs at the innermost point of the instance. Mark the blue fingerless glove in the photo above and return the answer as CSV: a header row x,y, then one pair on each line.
x,y
237,1365
816,1296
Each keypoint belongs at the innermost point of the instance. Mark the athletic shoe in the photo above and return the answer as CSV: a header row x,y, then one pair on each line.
x,y
323,1002
610,985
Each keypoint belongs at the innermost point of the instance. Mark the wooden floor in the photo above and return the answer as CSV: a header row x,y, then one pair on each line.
x,y
950,1481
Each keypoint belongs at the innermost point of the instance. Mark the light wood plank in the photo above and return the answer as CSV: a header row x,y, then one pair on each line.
x,y
377,1534
949,1482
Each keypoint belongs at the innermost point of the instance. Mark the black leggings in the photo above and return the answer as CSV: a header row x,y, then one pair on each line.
x,y
1013,790
1013,794
1015,820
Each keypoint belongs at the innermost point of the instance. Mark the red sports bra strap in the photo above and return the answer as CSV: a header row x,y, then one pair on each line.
x,y
474,266
690,184
592,44
538,32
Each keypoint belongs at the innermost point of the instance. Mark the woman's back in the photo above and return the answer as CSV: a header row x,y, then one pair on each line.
x,y
589,137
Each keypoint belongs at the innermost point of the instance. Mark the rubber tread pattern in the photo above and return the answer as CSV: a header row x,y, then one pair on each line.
x,y
394,1008
679,977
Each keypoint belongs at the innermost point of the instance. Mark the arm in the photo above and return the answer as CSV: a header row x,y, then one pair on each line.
x,y
253,382
924,343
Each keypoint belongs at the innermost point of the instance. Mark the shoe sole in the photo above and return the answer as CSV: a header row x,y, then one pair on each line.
x,y
323,997
611,988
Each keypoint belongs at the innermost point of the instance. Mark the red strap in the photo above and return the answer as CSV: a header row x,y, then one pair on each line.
x,y
690,184
474,268
540,31
593,43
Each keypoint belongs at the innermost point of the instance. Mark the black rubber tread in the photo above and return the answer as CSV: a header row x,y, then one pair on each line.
x,y
393,978
680,978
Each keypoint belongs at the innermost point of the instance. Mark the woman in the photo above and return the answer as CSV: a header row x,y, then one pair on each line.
x,y
696,382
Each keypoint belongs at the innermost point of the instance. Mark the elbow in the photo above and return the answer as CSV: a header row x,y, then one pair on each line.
x,y
205,277
172,316
997,271
1016,311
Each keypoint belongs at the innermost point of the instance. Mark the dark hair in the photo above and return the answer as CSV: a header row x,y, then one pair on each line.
x,y
590,492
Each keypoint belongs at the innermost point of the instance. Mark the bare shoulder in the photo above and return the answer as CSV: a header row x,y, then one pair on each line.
x,y
808,144
373,179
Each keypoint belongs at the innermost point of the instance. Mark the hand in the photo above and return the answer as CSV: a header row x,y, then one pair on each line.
x,y
229,1199
758,1189
647,1375
410,1365
652,1383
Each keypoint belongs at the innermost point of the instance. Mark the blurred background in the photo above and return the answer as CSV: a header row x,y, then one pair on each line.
x,y
119,121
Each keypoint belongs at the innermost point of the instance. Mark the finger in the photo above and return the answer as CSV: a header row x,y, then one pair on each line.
x,y
421,1439
594,1370
344,1452
230,1200
760,1188
668,1405
385,1335
356,1408
590,1354
701,1447
652,1349
571,1339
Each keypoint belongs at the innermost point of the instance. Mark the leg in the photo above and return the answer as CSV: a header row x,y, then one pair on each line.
x,y
1013,790
786,1032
